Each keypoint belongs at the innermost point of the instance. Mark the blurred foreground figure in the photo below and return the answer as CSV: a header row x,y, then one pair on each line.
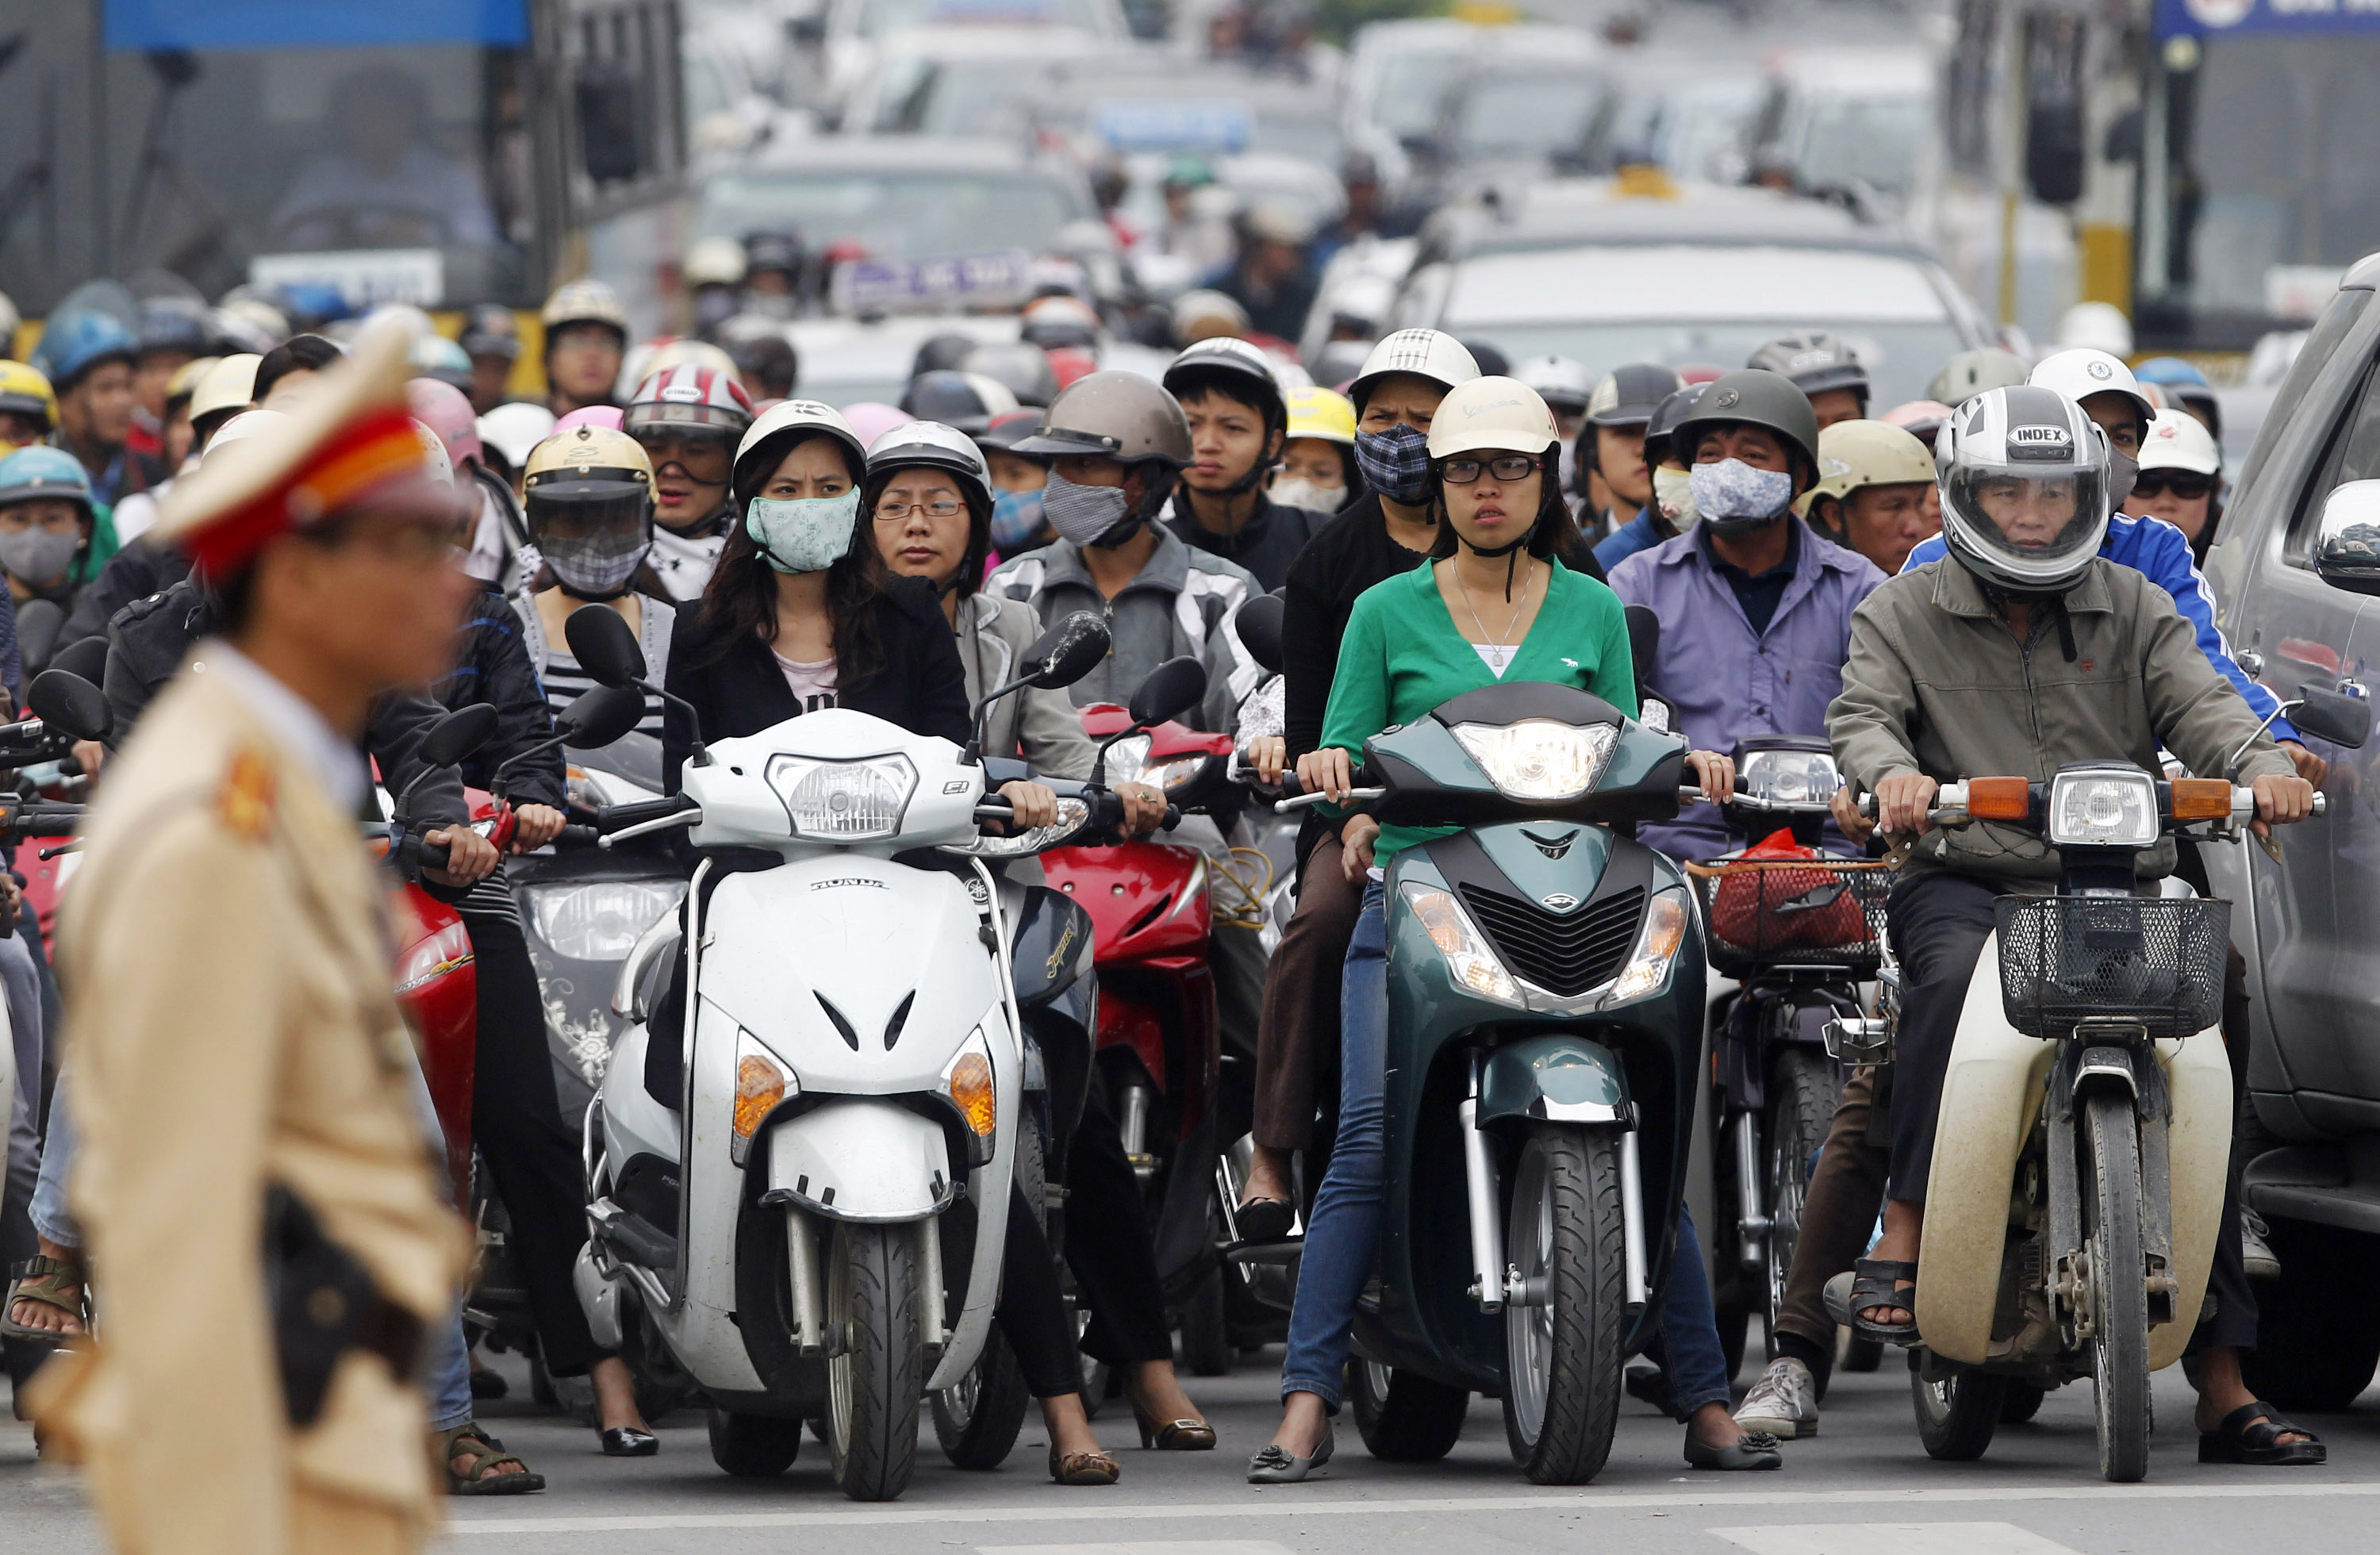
x,y
266,1237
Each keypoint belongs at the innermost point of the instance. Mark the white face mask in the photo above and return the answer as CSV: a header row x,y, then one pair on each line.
x,y
803,534
1673,495
1299,491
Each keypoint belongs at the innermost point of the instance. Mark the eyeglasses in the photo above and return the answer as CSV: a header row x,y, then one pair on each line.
x,y
1508,468
941,507
2187,484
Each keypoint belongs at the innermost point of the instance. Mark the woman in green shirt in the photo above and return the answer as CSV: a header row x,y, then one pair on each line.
x,y
1495,604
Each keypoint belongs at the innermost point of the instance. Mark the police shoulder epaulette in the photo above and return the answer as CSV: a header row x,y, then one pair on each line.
x,y
244,801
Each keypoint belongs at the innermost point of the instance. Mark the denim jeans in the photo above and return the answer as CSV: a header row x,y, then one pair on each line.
x,y
1342,1237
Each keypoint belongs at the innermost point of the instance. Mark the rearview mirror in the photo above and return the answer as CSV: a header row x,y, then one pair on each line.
x,y
1070,650
1171,690
38,625
603,646
66,701
1643,642
602,716
458,736
2333,715
86,659
1259,623
2346,542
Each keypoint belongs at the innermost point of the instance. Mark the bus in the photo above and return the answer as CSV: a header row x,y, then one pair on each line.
x,y
438,153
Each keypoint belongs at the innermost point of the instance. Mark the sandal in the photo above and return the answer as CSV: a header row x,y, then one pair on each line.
x,y
46,1281
484,1459
2251,1434
1084,1468
1876,1283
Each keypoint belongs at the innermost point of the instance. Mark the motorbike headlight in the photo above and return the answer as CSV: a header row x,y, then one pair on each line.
x,y
1128,763
599,920
1469,957
1072,816
762,1080
969,1081
1789,778
2103,809
1658,939
844,801
1537,758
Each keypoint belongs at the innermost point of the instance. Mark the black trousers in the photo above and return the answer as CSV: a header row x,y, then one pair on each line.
x,y
533,1155
1031,1313
1110,1247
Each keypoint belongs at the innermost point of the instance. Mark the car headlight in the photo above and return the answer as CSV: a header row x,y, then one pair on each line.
x,y
1537,758
1658,939
1128,763
2103,809
1804,778
844,801
970,1082
1469,958
599,920
1072,816
762,1080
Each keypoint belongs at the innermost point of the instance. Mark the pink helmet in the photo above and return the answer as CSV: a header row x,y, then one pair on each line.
x,y
604,416
1922,417
871,419
443,409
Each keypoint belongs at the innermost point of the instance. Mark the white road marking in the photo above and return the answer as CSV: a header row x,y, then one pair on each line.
x,y
1907,1538
1175,1547
1263,1505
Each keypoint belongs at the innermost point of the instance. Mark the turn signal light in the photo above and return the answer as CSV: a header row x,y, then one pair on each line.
x,y
1999,798
760,1083
971,1087
2201,800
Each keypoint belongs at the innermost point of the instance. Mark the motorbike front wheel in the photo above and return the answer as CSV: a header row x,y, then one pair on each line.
x,y
873,1371
1801,1109
1563,1328
2119,1299
1957,1416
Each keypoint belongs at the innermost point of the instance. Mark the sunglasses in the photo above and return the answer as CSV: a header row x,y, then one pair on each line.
x,y
1512,467
2187,484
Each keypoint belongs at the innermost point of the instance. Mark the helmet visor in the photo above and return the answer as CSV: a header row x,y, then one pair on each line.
x,y
675,414
2036,522
704,454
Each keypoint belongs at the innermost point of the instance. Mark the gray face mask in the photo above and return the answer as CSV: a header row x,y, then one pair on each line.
x,y
1735,499
37,556
1086,515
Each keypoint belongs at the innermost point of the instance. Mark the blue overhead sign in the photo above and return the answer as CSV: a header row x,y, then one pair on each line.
x,y
147,25
2208,18
1220,125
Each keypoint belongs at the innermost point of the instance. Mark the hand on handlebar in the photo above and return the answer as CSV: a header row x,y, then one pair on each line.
x,y
2280,800
91,755
1034,805
1326,772
470,857
1903,801
1845,808
1715,773
1268,755
534,826
1144,808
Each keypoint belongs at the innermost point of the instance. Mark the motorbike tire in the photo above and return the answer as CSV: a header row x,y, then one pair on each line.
x,y
1957,1416
1861,1355
2021,1402
753,1446
978,1418
1801,1109
1563,1354
1205,1328
2119,1298
2317,1337
1404,1417
874,1382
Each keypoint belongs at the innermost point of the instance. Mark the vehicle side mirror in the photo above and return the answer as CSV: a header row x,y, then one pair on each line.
x,y
2347,541
1171,690
1070,650
38,622
2334,716
458,736
86,658
602,716
66,701
1643,642
1259,623
603,646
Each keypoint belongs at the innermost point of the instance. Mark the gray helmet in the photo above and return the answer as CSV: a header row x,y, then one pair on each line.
x,y
1752,396
1114,415
1243,370
1021,368
1666,417
1816,360
1971,372
2032,453
1628,395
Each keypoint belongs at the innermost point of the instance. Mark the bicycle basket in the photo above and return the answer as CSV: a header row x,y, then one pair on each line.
x,y
2065,959
1811,912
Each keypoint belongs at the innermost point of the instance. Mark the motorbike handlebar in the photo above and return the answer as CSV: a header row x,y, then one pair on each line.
x,y
1951,805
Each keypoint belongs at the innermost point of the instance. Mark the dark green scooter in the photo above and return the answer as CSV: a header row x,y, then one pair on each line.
x,y
1545,1033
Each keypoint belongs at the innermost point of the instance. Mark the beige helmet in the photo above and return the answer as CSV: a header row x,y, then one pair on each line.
x,y
1115,415
1492,413
1425,353
1856,454
587,493
585,302
228,387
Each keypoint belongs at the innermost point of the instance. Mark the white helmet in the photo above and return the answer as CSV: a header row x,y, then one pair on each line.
x,y
2084,372
1425,353
1492,413
787,423
513,429
2097,325
939,447
2025,477
247,424
1563,383
2179,440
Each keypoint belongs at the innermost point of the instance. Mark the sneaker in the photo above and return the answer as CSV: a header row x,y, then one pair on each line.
x,y
1784,1403
2256,1253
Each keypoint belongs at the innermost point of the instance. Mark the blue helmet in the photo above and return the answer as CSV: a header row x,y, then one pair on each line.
x,y
72,343
2164,371
39,470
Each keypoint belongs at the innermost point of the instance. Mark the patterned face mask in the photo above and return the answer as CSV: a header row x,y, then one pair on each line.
x,y
1016,520
1734,499
803,534
1395,463
1086,515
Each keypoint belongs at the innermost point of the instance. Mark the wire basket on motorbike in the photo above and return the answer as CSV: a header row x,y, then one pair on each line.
x,y
1807,909
2154,964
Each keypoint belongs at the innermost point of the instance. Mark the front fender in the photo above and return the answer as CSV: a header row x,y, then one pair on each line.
x,y
861,1159
1556,1079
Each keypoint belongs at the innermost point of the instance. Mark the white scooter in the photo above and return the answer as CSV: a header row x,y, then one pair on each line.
x,y
812,1223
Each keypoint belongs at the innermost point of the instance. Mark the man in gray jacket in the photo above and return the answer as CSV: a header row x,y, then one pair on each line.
x,y
2019,652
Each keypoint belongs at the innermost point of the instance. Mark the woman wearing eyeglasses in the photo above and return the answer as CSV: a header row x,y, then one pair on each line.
x,y
1495,603
2180,479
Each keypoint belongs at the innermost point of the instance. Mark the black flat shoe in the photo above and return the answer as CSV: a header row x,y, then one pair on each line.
x,y
1753,1449
1266,1219
627,1442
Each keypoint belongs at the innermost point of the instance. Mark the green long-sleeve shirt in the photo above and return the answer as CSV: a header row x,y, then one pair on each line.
x,y
1402,655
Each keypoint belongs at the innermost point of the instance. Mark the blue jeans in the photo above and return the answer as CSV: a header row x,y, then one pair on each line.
x,y
1343,1238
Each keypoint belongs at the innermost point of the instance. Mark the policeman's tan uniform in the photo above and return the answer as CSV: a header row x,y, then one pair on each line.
x,y
227,971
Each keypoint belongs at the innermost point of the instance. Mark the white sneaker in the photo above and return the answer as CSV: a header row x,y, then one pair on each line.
x,y
2256,1253
1784,1403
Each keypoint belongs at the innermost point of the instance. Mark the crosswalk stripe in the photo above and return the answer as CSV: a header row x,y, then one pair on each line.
x,y
1892,1538
1152,1547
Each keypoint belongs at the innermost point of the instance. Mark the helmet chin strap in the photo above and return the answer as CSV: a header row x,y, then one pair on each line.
x,y
1489,552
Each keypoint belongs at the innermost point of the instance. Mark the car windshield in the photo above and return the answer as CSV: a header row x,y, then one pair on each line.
x,y
1526,116
892,215
1869,141
1406,94
880,18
